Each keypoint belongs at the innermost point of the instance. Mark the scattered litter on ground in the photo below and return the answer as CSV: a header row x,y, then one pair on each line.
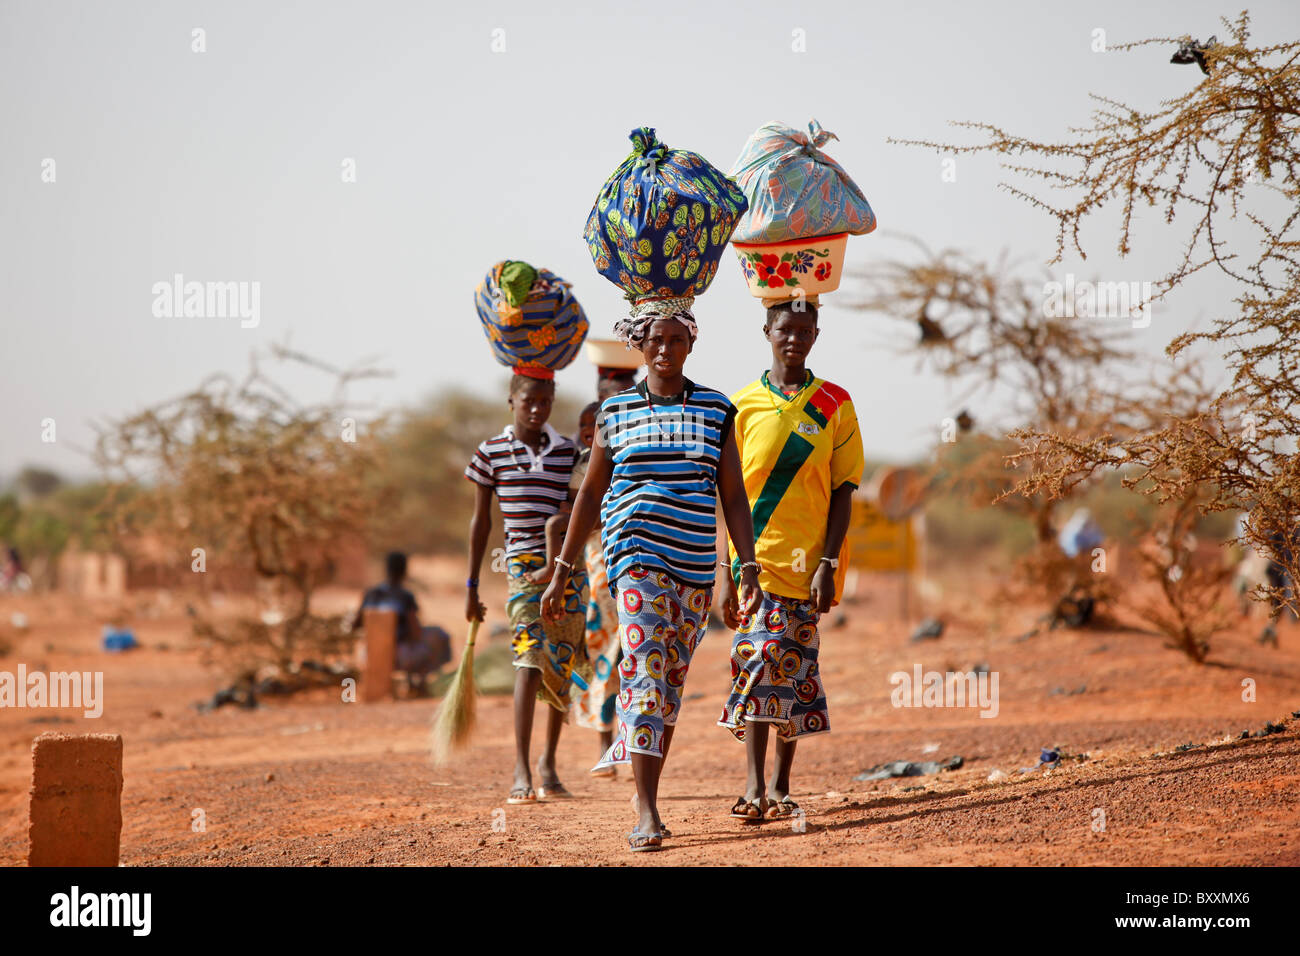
x,y
906,768
931,629
997,776
929,748
1058,690
304,729
116,640
1048,759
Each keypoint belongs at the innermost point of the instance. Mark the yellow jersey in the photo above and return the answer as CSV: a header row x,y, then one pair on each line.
x,y
794,451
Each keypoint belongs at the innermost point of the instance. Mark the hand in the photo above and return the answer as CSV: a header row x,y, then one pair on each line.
x,y
541,575
553,598
474,608
730,604
823,587
751,595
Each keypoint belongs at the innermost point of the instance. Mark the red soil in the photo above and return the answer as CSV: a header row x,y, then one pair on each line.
x,y
311,780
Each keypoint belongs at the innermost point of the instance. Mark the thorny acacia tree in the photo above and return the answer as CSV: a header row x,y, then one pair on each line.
x,y
1227,151
261,483
981,324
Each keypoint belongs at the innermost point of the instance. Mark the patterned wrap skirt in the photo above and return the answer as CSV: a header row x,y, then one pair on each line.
x,y
595,708
774,674
558,650
661,623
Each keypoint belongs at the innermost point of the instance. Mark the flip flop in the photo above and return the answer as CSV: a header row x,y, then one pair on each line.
x,y
605,772
751,811
664,832
526,795
782,809
553,791
642,842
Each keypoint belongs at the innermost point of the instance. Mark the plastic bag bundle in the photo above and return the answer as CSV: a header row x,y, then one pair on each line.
x,y
661,221
794,190
532,320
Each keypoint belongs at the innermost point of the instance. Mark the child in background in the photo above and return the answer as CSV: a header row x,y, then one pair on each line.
x,y
558,523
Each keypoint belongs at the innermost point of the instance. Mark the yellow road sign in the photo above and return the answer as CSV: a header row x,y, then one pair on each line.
x,y
878,544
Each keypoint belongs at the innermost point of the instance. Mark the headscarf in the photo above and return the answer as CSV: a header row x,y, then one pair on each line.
x,y
632,329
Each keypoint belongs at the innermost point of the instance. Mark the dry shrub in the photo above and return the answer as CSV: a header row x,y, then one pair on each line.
x,y
1227,152
262,484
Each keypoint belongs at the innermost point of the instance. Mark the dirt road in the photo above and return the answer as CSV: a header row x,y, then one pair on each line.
x,y
315,781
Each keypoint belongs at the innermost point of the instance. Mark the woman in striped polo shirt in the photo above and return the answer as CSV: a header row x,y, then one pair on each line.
x,y
665,453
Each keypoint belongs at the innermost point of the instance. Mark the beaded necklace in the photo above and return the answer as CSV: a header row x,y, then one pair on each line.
x,y
687,388
789,400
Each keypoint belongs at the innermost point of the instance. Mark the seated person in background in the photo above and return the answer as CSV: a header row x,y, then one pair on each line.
x,y
415,650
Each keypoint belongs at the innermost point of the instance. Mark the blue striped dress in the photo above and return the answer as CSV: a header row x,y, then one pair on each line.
x,y
659,512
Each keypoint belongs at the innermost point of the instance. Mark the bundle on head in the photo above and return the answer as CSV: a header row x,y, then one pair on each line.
x,y
661,221
532,320
454,723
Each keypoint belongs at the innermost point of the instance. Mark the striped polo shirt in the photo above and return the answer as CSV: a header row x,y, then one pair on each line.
x,y
659,511
531,487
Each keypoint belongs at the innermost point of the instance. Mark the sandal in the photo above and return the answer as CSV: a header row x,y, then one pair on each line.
x,y
664,832
522,795
751,811
782,809
553,791
641,842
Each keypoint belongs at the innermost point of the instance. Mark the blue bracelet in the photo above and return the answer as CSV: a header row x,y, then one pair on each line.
x,y
472,583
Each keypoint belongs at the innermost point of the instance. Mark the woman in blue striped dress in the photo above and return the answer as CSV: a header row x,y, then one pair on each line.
x,y
665,453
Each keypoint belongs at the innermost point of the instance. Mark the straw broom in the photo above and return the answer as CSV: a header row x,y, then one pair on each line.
x,y
455,721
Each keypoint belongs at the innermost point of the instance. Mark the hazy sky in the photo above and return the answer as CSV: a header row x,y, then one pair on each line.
x,y
226,165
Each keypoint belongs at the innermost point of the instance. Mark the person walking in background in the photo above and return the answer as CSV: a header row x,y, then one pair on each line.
x,y
616,368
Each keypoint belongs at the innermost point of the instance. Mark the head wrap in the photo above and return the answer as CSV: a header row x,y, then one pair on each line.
x,y
632,329
809,301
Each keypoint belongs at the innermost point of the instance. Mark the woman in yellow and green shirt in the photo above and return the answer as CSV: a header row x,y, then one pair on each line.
x,y
801,456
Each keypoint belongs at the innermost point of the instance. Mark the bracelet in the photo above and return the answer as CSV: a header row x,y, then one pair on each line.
x,y
751,564
471,583
565,563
